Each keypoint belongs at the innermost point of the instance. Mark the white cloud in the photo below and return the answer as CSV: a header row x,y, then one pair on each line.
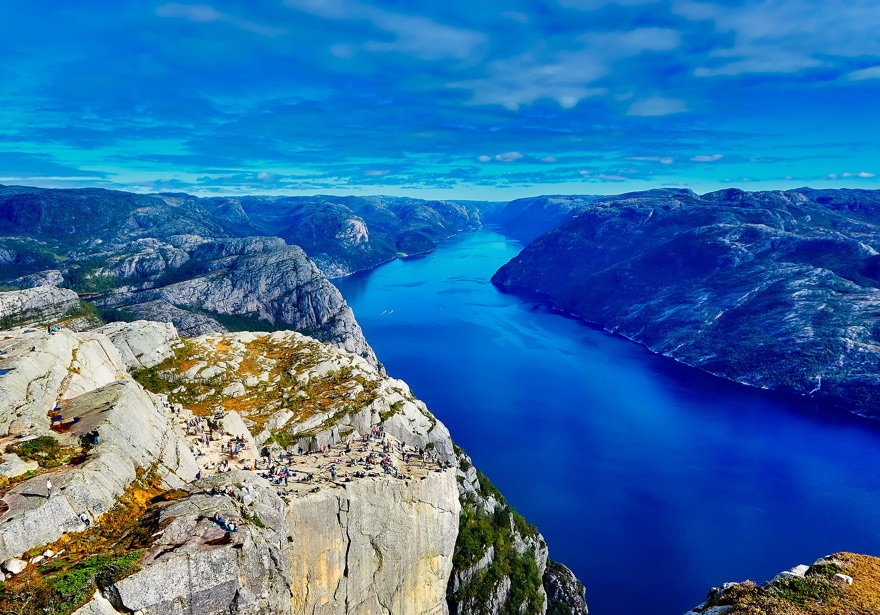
x,y
377,173
414,35
548,159
264,176
485,158
783,36
508,157
564,76
203,13
656,106
865,73
862,175
660,159
707,158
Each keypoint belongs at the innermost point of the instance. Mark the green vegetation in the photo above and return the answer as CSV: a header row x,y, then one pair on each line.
x,y
85,310
83,277
477,531
816,593
62,585
46,451
284,439
72,587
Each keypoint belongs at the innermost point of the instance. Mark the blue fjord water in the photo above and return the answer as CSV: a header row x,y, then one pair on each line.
x,y
651,480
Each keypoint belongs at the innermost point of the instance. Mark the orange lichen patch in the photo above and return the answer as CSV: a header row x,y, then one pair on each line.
x,y
186,364
864,593
111,546
817,593
223,346
249,367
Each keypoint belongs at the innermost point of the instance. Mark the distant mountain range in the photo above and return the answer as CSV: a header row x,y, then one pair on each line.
x,y
778,290
213,264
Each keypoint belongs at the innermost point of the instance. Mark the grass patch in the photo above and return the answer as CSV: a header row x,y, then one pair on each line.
x,y
46,451
119,538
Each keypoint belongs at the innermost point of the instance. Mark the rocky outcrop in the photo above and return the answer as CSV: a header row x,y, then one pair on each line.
x,y
566,595
839,583
260,279
776,290
83,378
142,343
347,234
13,466
310,396
375,546
50,277
187,322
41,305
378,519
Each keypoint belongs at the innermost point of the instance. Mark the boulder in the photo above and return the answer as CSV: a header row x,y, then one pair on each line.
x,y
142,343
14,565
12,465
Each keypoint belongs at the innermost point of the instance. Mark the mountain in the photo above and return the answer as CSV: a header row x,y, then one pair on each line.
x,y
216,264
348,234
529,218
157,445
778,290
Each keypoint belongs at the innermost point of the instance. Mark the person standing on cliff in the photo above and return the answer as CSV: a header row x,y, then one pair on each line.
x,y
48,488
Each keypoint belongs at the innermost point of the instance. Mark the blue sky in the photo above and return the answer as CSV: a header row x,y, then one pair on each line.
x,y
439,99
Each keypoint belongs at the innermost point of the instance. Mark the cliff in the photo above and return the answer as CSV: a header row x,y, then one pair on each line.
x,y
348,234
839,583
254,282
36,305
347,495
776,290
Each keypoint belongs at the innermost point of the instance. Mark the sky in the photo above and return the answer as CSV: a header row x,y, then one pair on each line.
x,y
439,98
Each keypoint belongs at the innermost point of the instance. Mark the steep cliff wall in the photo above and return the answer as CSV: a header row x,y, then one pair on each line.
x,y
349,497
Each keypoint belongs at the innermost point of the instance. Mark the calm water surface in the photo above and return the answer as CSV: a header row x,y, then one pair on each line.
x,y
652,481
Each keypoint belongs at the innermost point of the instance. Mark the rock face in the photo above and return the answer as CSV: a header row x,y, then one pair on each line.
x,y
772,289
310,396
565,594
174,258
261,279
87,375
387,548
804,590
142,343
348,234
40,305
347,535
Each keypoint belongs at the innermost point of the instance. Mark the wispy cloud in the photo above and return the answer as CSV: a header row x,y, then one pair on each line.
x,y
203,13
656,106
509,157
707,158
872,72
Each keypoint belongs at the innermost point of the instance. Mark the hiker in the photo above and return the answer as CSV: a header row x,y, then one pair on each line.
x,y
85,519
48,488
